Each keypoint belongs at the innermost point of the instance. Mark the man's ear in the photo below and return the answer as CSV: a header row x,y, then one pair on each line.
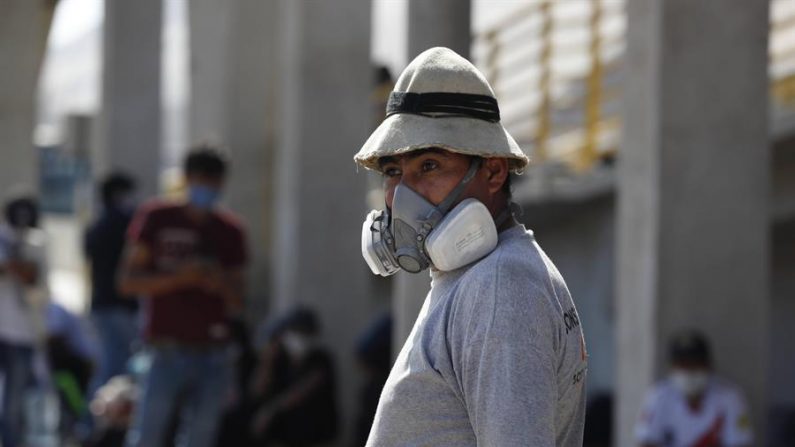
x,y
497,171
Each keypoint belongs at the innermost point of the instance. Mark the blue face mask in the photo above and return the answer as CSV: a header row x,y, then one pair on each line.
x,y
203,197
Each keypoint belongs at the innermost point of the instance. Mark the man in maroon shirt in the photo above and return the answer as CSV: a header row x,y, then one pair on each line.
x,y
185,261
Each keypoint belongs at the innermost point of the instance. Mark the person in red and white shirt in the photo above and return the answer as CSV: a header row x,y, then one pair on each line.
x,y
693,407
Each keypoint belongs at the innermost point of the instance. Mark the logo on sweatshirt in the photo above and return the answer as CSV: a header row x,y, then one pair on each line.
x,y
571,320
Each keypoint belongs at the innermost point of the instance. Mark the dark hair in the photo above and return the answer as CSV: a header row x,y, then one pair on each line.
x,y
382,75
205,160
114,185
690,346
25,205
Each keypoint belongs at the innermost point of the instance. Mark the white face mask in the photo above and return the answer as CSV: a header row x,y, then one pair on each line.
x,y
297,345
690,383
418,234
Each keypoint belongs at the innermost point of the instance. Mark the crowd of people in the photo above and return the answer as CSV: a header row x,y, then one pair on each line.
x,y
165,357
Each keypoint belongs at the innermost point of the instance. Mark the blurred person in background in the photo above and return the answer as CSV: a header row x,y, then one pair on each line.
x,y
266,378
114,316
693,407
71,357
233,429
496,356
22,290
185,260
299,408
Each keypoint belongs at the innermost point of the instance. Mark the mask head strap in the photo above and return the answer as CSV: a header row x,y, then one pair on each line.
x,y
512,210
452,198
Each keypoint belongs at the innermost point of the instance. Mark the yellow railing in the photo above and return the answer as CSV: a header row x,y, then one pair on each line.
x,y
556,68
782,54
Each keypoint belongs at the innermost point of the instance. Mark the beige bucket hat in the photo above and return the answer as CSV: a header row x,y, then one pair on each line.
x,y
442,100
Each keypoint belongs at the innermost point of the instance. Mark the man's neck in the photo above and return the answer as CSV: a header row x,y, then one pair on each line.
x,y
197,214
499,215
508,224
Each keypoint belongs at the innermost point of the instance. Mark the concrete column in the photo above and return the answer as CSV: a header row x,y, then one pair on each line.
x,y
23,37
209,58
437,23
129,130
233,103
251,115
444,23
320,204
692,218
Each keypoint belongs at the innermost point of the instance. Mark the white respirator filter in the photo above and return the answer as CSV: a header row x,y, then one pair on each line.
x,y
465,235
377,244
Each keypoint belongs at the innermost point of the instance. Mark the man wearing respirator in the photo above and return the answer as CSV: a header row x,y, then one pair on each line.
x,y
496,356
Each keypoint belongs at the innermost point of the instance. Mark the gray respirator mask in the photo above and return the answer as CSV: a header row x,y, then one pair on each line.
x,y
415,234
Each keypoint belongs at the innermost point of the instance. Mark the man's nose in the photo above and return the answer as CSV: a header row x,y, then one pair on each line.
x,y
390,193
389,196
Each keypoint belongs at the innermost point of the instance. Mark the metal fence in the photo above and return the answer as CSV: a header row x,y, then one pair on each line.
x,y
557,69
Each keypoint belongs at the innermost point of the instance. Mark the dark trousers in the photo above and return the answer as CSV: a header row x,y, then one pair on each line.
x,y
16,369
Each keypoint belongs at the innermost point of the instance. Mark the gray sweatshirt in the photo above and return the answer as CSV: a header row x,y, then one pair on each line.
x,y
496,358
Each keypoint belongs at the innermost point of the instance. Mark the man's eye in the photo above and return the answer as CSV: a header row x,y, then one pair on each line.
x,y
429,165
391,172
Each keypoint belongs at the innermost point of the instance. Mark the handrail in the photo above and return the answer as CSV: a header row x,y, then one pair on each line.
x,y
782,55
543,127
593,102
557,72
567,77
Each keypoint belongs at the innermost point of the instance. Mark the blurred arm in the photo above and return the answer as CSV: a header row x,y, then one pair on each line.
x,y
136,280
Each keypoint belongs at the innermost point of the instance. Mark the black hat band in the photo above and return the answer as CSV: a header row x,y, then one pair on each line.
x,y
480,107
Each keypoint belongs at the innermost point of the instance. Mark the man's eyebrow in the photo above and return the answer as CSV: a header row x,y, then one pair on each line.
x,y
414,154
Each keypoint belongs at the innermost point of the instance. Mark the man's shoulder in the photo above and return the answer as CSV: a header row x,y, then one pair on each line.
x,y
108,221
510,283
159,207
515,261
662,389
727,391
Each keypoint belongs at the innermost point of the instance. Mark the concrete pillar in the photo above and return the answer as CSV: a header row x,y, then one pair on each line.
x,y
233,103
320,205
23,37
444,23
129,130
692,218
437,23
251,114
209,58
